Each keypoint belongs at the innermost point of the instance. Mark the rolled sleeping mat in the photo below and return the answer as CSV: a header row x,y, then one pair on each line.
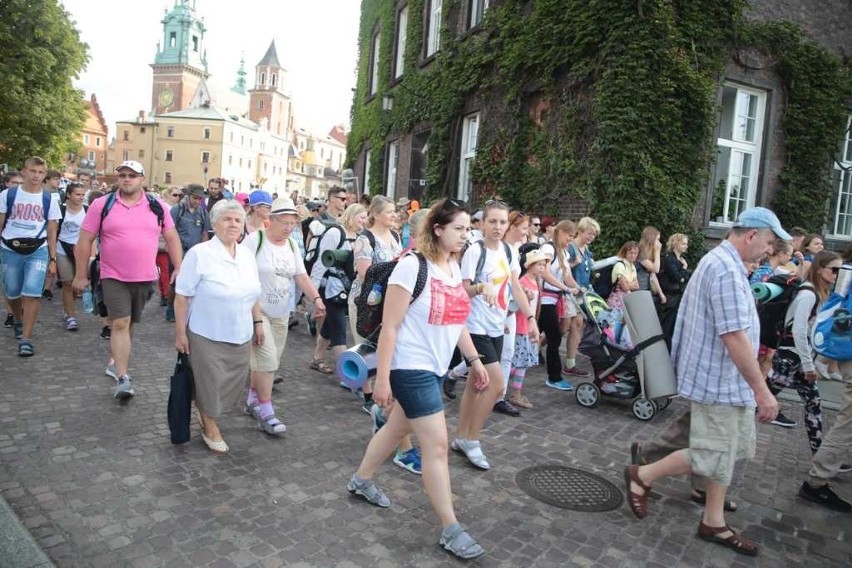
x,y
654,362
356,365
764,292
336,257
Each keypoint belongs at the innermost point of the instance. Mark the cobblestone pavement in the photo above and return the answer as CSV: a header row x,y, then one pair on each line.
x,y
99,484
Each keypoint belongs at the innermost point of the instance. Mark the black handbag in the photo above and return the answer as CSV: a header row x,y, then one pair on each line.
x,y
181,391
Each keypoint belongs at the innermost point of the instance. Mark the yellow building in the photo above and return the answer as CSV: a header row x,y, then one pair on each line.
x,y
91,157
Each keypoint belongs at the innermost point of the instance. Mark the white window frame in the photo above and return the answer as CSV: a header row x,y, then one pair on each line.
x,y
91,156
392,168
367,158
401,39
375,45
477,12
467,154
742,149
433,36
86,139
841,225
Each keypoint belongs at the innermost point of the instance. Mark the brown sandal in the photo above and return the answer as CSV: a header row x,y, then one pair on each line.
x,y
735,542
700,497
637,503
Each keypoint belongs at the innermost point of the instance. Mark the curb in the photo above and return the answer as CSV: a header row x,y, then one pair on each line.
x,y
18,549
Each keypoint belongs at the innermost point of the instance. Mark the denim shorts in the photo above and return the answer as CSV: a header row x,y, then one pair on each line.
x,y
417,392
23,275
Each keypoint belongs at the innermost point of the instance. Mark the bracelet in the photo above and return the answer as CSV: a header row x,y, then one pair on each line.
x,y
469,360
255,322
530,317
52,259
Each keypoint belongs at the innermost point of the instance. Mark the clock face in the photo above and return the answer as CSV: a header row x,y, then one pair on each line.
x,y
167,97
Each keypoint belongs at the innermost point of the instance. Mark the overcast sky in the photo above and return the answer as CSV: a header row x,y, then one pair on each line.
x,y
316,42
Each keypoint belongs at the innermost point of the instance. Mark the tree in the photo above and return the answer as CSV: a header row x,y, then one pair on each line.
x,y
40,55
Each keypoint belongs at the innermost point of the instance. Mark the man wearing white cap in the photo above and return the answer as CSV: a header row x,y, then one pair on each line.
x,y
129,223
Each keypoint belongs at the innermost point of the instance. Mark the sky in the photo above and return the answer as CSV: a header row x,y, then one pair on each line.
x,y
316,42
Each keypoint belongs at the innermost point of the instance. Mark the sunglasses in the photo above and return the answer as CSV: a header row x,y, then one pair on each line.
x,y
497,202
128,176
834,269
536,224
177,195
451,203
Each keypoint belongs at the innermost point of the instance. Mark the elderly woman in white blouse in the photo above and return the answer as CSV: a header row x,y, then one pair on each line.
x,y
217,315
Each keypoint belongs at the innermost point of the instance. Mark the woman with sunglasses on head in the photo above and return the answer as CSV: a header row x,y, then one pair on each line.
x,y
489,271
793,363
581,268
414,349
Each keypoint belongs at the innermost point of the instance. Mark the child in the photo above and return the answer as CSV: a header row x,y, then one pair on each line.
x,y
534,262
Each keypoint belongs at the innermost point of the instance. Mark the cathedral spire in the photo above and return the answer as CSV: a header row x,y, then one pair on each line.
x,y
240,85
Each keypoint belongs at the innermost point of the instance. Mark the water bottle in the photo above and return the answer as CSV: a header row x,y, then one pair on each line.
x,y
88,306
374,298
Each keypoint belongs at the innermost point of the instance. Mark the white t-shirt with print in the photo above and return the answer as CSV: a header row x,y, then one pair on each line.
x,y
277,266
485,319
361,250
26,218
70,231
555,270
431,328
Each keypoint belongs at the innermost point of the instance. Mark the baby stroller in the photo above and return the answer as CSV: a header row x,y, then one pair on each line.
x,y
616,373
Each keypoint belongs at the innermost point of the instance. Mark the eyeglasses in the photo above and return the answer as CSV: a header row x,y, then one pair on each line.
x,y
536,224
177,195
834,269
341,197
128,176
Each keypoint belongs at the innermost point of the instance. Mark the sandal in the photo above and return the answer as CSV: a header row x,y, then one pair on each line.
x,y
459,543
637,503
700,497
735,542
322,367
271,425
25,349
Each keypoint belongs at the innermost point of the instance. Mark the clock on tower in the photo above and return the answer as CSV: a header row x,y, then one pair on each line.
x,y
166,97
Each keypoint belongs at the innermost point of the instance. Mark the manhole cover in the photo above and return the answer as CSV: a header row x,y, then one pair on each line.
x,y
569,488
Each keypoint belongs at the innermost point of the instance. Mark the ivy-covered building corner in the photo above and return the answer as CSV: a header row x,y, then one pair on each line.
x,y
674,113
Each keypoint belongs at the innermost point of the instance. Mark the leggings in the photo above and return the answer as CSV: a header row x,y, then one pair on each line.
x,y
787,372
548,323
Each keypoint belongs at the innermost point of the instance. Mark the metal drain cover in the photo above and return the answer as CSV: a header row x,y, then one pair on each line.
x,y
569,488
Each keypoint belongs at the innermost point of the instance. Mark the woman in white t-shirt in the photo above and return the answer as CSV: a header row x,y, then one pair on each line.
x,y
414,350
69,233
280,267
489,286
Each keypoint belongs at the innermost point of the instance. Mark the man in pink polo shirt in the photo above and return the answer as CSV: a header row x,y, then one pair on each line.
x,y
129,223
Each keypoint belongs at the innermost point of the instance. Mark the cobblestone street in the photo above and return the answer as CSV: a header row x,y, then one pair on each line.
x,y
98,484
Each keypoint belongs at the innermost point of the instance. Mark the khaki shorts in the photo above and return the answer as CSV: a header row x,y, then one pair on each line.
x,y
719,436
65,268
267,357
124,299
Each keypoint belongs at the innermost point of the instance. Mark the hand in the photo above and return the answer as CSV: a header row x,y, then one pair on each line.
x,y
174,275
319,309
258,335
382,393
478,375
811,376
658,244
799,257
534,333
80,284
489,294
182,343
51,268
662,298
767,406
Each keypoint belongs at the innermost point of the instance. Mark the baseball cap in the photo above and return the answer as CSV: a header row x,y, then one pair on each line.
x,y
312,205
762,218
283,206
260,197
131,165
478,216
242,198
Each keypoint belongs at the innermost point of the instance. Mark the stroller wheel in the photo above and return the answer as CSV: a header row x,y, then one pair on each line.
x,y
587,394
644,409
662,403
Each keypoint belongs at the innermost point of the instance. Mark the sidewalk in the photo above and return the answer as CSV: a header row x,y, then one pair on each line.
x,y
17,547
98,484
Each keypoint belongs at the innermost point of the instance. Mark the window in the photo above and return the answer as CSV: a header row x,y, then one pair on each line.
x,y
470,133
205,157
126,135
260,104
125,155
263,78
249,164
433,28
843,175
86,139
170,155
91,156
98,141
232,137
367,157
274,79
167,177
172,39
739,143
207,134
401,35
393,162
170,132
142,130
477,11
195,43
230,159
141,153
374,64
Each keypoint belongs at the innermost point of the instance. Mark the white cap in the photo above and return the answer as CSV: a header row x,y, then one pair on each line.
x,y
131,165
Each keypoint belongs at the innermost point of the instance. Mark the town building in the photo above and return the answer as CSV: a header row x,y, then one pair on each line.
x,y
91,157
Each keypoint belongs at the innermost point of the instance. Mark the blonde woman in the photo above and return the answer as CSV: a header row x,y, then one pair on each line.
x,y
649,262
581,268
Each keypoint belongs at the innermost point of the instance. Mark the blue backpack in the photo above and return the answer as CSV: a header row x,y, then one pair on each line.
x,y
10,203
831,336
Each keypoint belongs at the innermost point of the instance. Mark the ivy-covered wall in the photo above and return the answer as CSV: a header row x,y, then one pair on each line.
x,y
613,104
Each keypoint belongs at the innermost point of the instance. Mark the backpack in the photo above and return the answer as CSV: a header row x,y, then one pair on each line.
x,y
772,311
10,203
370,303
68,248
182,209
153,204
371,238
312,248
480,263
602,282
831,336
63,208
261,235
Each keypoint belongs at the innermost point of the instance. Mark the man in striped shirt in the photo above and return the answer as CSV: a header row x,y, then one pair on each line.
x,y
714,350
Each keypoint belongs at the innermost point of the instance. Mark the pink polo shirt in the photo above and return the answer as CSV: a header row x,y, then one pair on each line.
x,y
129,238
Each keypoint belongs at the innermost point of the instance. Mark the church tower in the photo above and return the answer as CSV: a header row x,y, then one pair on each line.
x,y
180,66
269,101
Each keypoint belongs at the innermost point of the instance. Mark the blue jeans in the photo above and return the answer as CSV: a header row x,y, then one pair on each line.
x,y
417,392
23,275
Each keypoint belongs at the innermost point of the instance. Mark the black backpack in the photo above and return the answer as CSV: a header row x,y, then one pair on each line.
x,y
602,281
772,313
370,303
153,204
480,263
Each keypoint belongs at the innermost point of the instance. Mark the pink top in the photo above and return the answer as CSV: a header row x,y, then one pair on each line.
x,y
128,238
522,324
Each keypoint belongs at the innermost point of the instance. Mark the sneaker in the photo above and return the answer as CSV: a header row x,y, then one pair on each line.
x,y
47,295
519,400
506,407
449,385
783,421
9,321
409,461
844,468
822,369
573,372
836,377
368,490
367,407
18,326
170,314
293,322
378,416
163,302
124,389
559,384
71,324
106,332
312,324
824,496
472,450
110,372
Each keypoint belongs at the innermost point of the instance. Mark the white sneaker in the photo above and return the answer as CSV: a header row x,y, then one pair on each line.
x,y
822,369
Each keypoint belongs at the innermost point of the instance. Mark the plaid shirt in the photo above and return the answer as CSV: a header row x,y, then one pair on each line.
x,y
717,301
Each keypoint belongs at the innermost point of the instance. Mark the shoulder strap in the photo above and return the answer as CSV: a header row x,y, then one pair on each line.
x,y
371,238
10,202
508,252
63,209
480,263
260,235
45,210
155,207
397,237
110,201
422,273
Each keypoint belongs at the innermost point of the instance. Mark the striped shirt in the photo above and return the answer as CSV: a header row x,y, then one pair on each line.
x,y
717,301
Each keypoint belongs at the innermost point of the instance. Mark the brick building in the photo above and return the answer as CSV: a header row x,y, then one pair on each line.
x,y
91,157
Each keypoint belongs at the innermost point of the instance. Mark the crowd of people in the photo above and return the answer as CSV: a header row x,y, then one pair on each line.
x,y
484,294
